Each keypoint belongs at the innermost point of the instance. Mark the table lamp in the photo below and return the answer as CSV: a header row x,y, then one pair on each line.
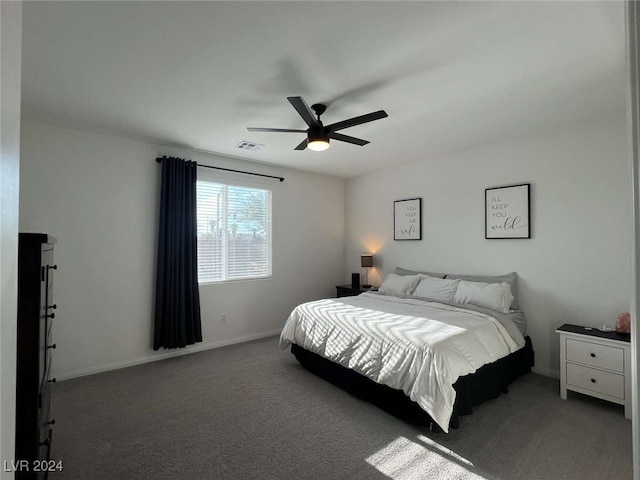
x,y
366,262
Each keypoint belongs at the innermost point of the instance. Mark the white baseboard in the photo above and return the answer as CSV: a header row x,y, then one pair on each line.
x,y
547,372
83,372
153,358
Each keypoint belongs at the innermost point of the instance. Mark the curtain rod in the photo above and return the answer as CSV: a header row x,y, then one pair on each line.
x,y
159,160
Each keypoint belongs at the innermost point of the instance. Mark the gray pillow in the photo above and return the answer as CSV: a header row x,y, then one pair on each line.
x,y
404,271
510,278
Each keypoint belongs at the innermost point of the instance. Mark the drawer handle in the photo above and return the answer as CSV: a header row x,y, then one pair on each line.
x,y
53,380
593,380
52,267
593,355
51,315
52,346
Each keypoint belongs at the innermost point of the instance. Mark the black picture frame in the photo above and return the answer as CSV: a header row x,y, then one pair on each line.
x,y
407,219
507,212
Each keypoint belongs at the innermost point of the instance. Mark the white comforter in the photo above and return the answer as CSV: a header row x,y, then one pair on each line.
x,y
416,346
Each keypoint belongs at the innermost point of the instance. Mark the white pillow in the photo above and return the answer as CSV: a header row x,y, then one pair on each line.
x,y
437,289
494,296
399,285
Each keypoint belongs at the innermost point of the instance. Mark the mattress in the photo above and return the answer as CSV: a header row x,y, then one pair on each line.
x,y
417,346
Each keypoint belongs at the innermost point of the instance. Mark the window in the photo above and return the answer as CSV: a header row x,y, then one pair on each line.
x,y
234,232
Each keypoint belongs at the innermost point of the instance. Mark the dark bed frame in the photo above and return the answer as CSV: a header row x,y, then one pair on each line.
x,y
471,390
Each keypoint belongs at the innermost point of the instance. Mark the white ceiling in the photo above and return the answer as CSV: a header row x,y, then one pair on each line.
x,y
450,75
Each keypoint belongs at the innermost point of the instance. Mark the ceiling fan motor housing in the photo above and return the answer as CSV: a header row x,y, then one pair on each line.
x,y
318,133
319,108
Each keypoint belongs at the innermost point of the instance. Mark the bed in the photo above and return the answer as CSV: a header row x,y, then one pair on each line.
x,y
428,358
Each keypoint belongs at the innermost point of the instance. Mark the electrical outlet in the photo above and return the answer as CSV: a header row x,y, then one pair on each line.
x,y
223,318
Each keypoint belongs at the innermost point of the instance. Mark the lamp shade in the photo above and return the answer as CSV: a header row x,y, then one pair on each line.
x,y
366,260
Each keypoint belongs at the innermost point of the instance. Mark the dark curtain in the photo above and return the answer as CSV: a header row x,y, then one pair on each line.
x,y
177,314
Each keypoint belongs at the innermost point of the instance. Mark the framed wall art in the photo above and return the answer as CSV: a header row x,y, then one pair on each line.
x,y
507,212
407,219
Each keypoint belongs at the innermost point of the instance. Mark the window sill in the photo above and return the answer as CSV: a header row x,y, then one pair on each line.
x,y
238,280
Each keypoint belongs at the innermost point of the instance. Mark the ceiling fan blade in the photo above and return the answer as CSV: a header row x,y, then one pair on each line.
x,y
352,122
348,139
303,110
258,129
302,146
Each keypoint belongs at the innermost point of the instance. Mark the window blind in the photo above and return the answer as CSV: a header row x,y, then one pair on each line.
x,y
234,232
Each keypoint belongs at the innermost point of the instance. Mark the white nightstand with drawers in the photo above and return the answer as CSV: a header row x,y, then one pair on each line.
x,y
595,363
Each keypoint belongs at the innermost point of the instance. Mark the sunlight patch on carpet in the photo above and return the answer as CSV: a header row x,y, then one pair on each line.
x,y
404,459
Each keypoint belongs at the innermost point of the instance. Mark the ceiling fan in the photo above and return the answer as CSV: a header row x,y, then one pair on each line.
x,y
317,134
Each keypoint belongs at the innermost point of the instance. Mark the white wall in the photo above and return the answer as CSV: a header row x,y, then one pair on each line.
x,y
11,43
98,195
575,269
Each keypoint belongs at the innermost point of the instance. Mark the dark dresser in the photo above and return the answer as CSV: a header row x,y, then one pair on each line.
x,y
36,314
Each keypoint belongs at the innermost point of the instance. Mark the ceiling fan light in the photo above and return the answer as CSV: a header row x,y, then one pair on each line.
x,y
318,145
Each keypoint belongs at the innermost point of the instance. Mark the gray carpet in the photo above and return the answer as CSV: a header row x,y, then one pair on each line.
x,y
250,411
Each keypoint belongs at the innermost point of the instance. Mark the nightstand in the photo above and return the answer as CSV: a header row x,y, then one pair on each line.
x,y
349,291
596,363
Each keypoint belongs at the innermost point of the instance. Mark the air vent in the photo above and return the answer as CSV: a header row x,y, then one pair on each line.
x,y
245,145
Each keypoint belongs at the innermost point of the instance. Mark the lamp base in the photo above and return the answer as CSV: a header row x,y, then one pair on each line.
x,y
366,286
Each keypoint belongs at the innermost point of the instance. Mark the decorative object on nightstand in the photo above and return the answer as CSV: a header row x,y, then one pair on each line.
x,y
623,323
597,363
366,262
355,280
350,291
